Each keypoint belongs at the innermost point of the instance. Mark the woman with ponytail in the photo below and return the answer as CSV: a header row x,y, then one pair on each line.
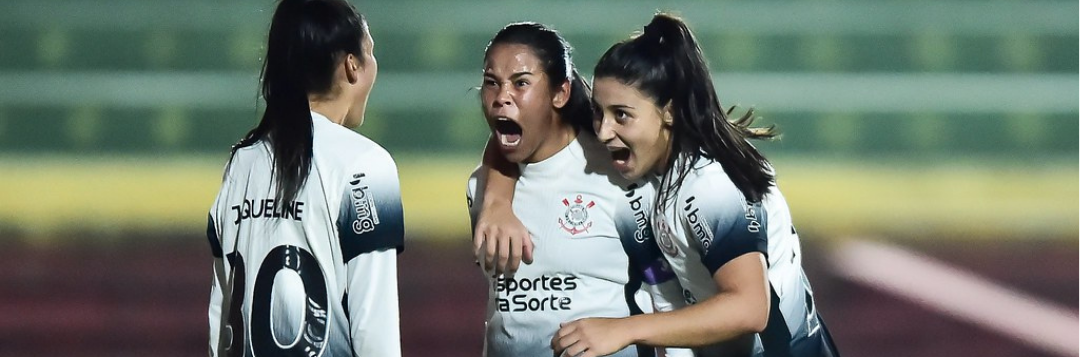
x,y
722,224
570,198
306,228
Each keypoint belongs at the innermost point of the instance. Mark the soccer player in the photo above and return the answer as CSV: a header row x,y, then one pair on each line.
x,y
569,195
307,226
720,220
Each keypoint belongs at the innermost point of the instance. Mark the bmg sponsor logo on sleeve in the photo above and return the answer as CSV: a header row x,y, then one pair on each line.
x,y
698,224
367,217
643,233
753,225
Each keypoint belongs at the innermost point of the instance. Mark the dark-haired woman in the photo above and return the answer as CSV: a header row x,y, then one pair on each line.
x,y
568,195
307,226
720,221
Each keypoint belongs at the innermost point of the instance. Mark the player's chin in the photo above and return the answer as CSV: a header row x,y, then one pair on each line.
x,y
513,154
628,169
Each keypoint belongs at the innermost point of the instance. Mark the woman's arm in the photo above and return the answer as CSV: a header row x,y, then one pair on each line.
x,y
370,257
741,307
500,240
374,318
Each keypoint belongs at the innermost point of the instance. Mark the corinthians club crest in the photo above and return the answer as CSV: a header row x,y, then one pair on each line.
x,y
576,218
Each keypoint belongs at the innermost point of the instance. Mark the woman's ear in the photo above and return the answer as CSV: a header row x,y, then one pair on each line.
x,y
667,117
562,95
351,65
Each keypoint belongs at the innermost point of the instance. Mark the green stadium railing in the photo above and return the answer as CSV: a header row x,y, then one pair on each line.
x,y
848,78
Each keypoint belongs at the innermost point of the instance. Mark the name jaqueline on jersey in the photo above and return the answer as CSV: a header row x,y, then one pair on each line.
x,y
268,208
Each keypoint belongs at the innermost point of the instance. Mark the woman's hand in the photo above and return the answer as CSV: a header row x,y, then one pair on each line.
x,y
591,337
500,241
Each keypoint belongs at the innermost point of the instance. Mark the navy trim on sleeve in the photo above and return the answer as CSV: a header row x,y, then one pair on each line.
x,y
638,240
212,236
369,220
747,233
646,261
356,245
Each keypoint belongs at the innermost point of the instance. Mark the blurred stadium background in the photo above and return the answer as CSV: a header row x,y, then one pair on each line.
x,y
930,157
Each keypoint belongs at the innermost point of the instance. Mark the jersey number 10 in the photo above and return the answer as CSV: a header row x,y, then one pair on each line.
x,y
309,338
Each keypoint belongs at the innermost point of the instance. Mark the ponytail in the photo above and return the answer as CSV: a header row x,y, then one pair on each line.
x,y
666,63
578,110
307,38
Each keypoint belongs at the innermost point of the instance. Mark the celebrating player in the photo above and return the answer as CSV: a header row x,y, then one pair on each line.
x,y
719,219
569,196
307,226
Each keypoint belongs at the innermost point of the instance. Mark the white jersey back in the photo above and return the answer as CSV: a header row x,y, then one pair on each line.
x,y
709,223
312,276
568,202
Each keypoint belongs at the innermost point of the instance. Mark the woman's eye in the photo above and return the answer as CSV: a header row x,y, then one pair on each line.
x,y
621,115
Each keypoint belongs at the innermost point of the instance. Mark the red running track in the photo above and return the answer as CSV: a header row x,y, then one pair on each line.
x,y
136,298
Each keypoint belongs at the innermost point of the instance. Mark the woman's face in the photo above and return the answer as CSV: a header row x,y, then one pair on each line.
x,y
367,73
635,130
519,104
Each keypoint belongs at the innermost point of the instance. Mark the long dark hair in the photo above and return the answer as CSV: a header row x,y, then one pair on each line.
x,y
666,63
556,55
307,39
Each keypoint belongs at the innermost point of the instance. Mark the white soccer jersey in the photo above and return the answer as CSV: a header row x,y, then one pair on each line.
x,y
660,284
316,276
709,223
570,203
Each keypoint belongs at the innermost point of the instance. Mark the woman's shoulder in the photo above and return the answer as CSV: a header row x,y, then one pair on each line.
x,y
346,144
244,157
707,179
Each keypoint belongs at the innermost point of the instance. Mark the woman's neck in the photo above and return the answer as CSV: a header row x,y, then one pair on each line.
x,y
330,109
665,160
563,136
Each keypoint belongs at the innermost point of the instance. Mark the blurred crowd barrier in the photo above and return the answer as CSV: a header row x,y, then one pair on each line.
x,y
158,84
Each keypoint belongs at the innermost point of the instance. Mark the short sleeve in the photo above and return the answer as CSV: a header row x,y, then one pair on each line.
x,y
371,216
474,193
725,225
632,221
